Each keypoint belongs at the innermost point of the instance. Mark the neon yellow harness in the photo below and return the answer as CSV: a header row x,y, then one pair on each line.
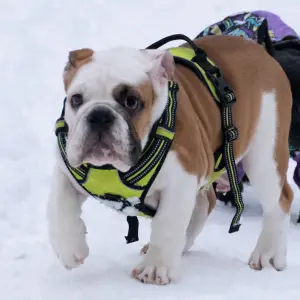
x,y
126,191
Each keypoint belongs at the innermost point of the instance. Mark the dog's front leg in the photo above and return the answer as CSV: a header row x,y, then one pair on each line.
x,y
66,228
162,261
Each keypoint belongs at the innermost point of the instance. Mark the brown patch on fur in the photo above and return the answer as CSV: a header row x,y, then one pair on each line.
x,y
197,124
142,120
144,91
77,59
251,72
286,197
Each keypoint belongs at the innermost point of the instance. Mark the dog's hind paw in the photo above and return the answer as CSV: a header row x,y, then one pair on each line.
x,y
258,262
269,252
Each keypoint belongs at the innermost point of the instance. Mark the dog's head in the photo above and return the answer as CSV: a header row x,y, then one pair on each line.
x,y
113,99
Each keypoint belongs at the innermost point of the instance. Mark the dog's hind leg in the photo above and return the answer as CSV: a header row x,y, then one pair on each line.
x,y
266,164
205,203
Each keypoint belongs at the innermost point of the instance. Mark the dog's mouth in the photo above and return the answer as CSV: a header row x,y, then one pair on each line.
x,y
103,137
100,153
106,150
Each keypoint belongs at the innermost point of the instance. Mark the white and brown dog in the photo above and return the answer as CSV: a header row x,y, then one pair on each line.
x,y
123,92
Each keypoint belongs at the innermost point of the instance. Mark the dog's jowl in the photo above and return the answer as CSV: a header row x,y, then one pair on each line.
x,y
120,100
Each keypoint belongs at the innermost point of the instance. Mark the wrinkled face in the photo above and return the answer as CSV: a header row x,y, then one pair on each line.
x,y
113,99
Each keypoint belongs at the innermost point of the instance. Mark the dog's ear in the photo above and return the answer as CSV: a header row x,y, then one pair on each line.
x,y
77,58
161,67
78,55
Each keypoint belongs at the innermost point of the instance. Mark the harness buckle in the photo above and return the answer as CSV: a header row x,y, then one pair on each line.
x,y
230,134
229,98
225,92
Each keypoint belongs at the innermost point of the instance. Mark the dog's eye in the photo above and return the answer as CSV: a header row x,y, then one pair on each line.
x,y
128,98
132,102
76,100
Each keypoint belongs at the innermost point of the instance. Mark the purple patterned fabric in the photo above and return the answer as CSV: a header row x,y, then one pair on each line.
x,y
277,28
248,24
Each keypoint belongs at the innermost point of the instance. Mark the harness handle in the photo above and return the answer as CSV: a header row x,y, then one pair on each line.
x,y
200,53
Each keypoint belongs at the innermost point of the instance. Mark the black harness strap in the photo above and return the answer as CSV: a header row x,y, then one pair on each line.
x,y
226,99
230,134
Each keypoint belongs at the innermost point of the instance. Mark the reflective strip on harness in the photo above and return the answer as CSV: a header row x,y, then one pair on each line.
x,y
225,97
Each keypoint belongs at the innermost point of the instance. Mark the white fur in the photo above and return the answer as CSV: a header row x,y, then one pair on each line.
x,y
261,168
66,228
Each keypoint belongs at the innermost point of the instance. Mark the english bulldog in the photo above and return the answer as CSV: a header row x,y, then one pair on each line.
x,y
115,96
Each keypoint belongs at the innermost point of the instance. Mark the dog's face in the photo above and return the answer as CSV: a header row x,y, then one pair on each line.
x,y
113,99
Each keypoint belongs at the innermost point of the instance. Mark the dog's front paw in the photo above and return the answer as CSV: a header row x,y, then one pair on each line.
x,y
269,252
153,274
158,267
69,243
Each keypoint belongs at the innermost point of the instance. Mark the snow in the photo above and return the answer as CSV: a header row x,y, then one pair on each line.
x,y
35,39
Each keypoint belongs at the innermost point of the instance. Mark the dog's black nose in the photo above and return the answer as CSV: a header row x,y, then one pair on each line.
x,y
100,119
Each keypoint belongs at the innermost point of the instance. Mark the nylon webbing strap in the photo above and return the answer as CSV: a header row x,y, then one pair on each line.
x,y
225,98
167,122
159,140
231,134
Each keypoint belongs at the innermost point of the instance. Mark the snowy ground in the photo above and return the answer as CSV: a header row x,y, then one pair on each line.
x,y
35,37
